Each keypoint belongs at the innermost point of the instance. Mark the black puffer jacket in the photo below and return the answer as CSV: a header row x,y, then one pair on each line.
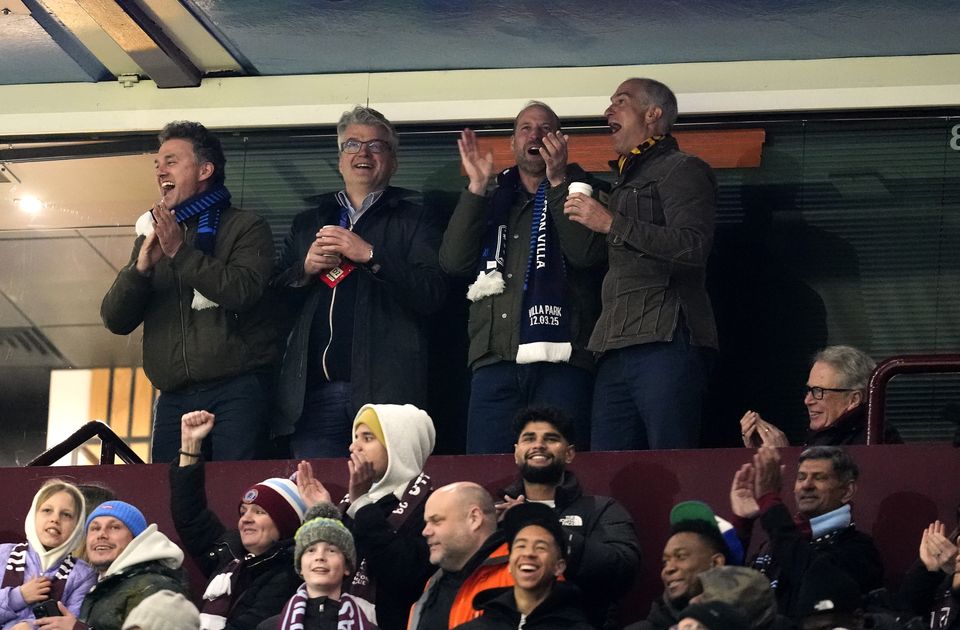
x,y
561,609
264,583
604,551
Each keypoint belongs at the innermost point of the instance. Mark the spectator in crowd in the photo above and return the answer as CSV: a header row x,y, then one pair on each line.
x,y
604,551
534,301
43,571
134,560
538,554
361,270
712,616
250,569
696,544
931,588
656,332
209,340
93,495
324,557
836,401
387,492
823,529
746,590
164,610
470,552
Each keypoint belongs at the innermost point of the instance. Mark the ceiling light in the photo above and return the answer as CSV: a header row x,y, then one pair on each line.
x,y
29,204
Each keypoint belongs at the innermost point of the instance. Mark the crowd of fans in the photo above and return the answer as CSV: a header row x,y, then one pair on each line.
x,y
589,324
398,553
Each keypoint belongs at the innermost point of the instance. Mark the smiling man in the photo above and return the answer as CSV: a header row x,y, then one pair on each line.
x,y
534,299
195,281
823,530
134,560
361,272
538,557
604,552
656,332
836,400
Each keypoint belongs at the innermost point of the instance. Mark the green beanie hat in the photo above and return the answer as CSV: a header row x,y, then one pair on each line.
x,y
322,524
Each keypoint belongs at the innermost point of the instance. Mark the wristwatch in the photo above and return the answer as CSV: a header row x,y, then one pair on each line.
x,y
372,265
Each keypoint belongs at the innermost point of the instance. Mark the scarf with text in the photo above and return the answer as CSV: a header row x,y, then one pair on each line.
x,y
544,323
350,614
17,564
363,584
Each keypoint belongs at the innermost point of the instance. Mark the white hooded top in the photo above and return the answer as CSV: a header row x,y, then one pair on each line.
x,y
55,555
150,545
409,435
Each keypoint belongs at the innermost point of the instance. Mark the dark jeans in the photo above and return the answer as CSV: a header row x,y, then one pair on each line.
x,y
324,427
650,396
500,390
239,431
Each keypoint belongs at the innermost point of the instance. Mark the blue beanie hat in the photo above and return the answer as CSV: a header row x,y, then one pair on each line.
x,y
123,512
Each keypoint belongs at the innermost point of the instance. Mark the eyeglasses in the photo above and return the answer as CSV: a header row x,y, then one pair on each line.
x,y
375,146
817,392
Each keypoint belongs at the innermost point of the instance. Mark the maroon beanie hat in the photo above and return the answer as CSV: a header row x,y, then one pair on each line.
x,y
279,498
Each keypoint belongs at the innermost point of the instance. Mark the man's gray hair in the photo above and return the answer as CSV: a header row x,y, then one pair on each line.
x,y
843,465
361,115
852,365
544,107
663,97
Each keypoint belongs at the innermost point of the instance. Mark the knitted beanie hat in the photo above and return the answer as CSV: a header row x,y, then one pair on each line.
x,y
280,499
123,512
322,524
164,610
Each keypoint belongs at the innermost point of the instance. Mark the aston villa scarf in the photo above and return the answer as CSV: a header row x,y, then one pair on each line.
x,y
544,324
17,562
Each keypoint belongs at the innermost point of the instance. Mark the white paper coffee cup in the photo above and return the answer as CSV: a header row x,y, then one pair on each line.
x,y
580,187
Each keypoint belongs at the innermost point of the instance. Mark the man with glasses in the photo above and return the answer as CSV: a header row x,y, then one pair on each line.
x,y
822,531
835,397
361,269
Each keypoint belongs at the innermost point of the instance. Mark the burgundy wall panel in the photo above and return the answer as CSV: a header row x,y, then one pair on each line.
x,y
902,489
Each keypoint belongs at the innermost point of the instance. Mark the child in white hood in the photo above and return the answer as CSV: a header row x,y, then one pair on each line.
x,y
43,569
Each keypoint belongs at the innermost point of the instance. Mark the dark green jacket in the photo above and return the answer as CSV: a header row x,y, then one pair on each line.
x,y
494,326
183,346
108,604
149,563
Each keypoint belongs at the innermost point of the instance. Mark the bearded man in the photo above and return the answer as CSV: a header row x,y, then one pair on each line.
x,y
604,555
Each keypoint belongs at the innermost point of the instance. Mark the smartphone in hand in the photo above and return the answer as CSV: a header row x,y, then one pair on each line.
x,y
47,608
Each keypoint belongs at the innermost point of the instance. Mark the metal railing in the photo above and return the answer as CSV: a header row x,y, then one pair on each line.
x,y
886,370
111,446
